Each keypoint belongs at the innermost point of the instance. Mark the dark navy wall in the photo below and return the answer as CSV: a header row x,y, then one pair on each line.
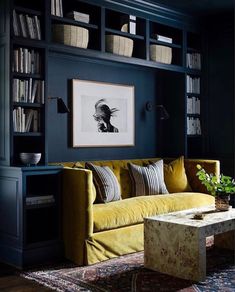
x,y
62,69
220,115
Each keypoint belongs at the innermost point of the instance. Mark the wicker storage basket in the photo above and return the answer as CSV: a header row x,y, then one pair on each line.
x,y
70,35
119,45
161,54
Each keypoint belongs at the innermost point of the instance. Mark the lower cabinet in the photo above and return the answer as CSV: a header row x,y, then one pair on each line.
x,y
30,215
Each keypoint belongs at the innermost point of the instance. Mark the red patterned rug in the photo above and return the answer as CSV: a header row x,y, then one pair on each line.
x,y
127,273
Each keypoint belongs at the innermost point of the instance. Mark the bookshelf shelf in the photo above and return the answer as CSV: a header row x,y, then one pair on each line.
x,y
29,43
26,75
28,134
125,34
27,10
28,104
64,20
171,45
40,206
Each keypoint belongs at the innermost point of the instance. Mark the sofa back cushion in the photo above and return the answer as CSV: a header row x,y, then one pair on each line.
x,y
106,183
175,176
147,180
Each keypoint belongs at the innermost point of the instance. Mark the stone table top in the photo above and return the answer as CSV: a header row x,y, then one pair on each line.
x,y
185,217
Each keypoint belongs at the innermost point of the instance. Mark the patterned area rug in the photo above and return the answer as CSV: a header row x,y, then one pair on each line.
x,y
127,273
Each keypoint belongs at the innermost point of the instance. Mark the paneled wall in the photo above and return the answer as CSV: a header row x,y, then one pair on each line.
x,y
63,69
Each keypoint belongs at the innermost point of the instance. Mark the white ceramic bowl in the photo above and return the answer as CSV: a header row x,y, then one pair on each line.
x,y
30,158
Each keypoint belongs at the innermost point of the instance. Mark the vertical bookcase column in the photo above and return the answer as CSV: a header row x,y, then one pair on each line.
x,y
147,38
184,48
102,28
184,52
47,24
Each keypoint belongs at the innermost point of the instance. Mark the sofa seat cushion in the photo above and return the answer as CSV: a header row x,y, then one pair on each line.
x,y
132,210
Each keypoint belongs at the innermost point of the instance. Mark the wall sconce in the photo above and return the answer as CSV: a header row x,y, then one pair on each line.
x,y
61,106
163,114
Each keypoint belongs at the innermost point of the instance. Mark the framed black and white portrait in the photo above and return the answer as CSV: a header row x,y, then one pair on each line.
x,y
102,114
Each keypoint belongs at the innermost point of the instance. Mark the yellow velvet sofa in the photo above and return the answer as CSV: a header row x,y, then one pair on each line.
x,y
95,232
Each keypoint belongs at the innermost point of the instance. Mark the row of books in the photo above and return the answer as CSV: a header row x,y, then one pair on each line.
x,y
57,8
193,105
38,200
26,120
26,26
193,61
26,61
28,90
193,84
193,126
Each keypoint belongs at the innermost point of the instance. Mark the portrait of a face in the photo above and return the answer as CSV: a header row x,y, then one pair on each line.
x,y
103,115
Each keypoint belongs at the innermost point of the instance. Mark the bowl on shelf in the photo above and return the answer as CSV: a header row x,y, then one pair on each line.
x,y
30,158
119,45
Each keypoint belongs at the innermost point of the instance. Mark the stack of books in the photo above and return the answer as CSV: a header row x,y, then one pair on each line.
x,y
78,16
26,120
26,26
56,8
37,200
28,90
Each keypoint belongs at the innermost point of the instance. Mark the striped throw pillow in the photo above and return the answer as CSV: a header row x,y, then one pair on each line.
x,y
147,180
106,183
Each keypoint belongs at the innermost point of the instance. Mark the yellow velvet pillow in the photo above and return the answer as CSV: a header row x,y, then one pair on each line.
x,y
175,176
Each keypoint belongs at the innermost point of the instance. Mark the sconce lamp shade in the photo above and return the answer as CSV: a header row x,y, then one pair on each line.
x,y
61,106
162,112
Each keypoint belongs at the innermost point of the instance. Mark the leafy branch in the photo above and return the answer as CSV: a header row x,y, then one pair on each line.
x,y
214,184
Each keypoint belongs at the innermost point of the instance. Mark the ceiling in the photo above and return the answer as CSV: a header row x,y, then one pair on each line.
x,y
199,7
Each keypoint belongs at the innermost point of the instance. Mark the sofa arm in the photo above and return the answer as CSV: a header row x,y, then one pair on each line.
x,y
77,202
211,166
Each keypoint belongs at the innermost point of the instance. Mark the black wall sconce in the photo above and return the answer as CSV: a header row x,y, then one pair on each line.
x,y
163,114
61,106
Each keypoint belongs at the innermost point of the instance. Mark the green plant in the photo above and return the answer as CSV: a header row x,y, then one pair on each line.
x,y
214,184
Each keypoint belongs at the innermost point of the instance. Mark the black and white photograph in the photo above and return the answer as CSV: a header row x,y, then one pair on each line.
x,y
103,114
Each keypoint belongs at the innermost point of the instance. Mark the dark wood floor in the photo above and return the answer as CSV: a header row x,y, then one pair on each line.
x,y
10,281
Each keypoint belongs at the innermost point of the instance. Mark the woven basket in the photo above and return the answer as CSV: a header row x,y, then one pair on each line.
x,y
119,45
70,35
161,54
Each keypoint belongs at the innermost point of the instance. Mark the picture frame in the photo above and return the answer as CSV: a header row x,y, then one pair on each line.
x,y
103,114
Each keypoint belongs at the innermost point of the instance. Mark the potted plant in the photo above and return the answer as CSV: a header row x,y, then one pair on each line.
x,y
221,187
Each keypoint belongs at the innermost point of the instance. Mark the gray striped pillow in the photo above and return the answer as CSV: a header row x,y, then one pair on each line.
x,y
147,180
106,183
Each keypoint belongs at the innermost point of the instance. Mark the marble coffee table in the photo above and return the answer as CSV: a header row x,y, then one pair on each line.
x,y
175,243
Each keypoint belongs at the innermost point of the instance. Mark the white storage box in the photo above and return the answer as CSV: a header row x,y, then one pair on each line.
x,y
119,45
70,35
161,54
